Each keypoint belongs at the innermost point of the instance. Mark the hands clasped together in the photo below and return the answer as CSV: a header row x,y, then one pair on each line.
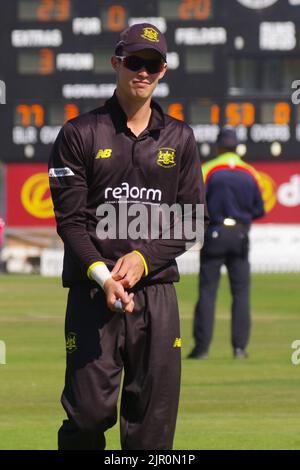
x,y
125,274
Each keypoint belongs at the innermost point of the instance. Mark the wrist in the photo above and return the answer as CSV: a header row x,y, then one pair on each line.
x,y
146,270
100,273
107,283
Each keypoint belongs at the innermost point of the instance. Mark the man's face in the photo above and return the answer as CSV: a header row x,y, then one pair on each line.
x,y
137,85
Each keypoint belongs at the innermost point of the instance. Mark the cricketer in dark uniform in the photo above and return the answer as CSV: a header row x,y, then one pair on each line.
x,y
127,148
234,199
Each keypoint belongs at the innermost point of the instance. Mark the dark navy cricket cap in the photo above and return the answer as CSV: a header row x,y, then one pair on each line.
x,y
227,137
142,36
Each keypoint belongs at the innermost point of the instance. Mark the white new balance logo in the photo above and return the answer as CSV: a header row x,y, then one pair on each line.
x,y
60,172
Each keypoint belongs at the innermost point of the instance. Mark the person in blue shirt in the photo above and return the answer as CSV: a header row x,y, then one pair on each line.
x,y
234,199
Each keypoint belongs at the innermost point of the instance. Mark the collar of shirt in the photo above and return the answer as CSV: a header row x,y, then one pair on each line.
x,y
119,118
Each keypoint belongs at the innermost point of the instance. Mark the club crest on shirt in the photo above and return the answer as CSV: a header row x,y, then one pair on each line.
x,y
150,34
166,157
71,342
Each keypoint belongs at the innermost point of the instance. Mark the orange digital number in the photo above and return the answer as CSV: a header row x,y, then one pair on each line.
x,y
176,110
31,115
44,10
116,18
282,113
70,111
63,12
215,114
46,62
53,10
240,114
194,9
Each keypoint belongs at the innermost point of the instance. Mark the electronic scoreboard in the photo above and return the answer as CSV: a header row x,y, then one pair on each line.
x,y
233,62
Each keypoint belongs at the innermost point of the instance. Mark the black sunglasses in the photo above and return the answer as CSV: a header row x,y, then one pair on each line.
x,y
135,63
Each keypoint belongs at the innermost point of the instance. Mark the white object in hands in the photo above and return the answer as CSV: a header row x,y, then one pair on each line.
x,y
100,273
118,306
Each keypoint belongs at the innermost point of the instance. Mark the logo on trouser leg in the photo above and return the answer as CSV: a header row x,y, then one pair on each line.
x,y
177,343
71,343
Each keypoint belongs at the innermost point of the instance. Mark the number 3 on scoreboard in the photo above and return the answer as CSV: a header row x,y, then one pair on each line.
x,y
46,62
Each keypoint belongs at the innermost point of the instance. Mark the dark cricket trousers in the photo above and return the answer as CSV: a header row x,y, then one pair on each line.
x,y
100,344
224,246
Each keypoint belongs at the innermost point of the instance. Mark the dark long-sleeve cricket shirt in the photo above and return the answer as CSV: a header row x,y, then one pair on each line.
x,y
97,160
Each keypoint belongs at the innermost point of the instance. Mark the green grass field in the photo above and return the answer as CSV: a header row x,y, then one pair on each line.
x,y
225,404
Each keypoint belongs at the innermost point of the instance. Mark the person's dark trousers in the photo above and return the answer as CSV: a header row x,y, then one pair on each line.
x,y
100,344
239,276
210,270
71,438
228,246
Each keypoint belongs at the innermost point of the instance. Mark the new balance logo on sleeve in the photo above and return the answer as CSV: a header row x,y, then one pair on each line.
x,y
103,153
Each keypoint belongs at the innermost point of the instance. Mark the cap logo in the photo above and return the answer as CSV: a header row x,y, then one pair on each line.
x,y
150,34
